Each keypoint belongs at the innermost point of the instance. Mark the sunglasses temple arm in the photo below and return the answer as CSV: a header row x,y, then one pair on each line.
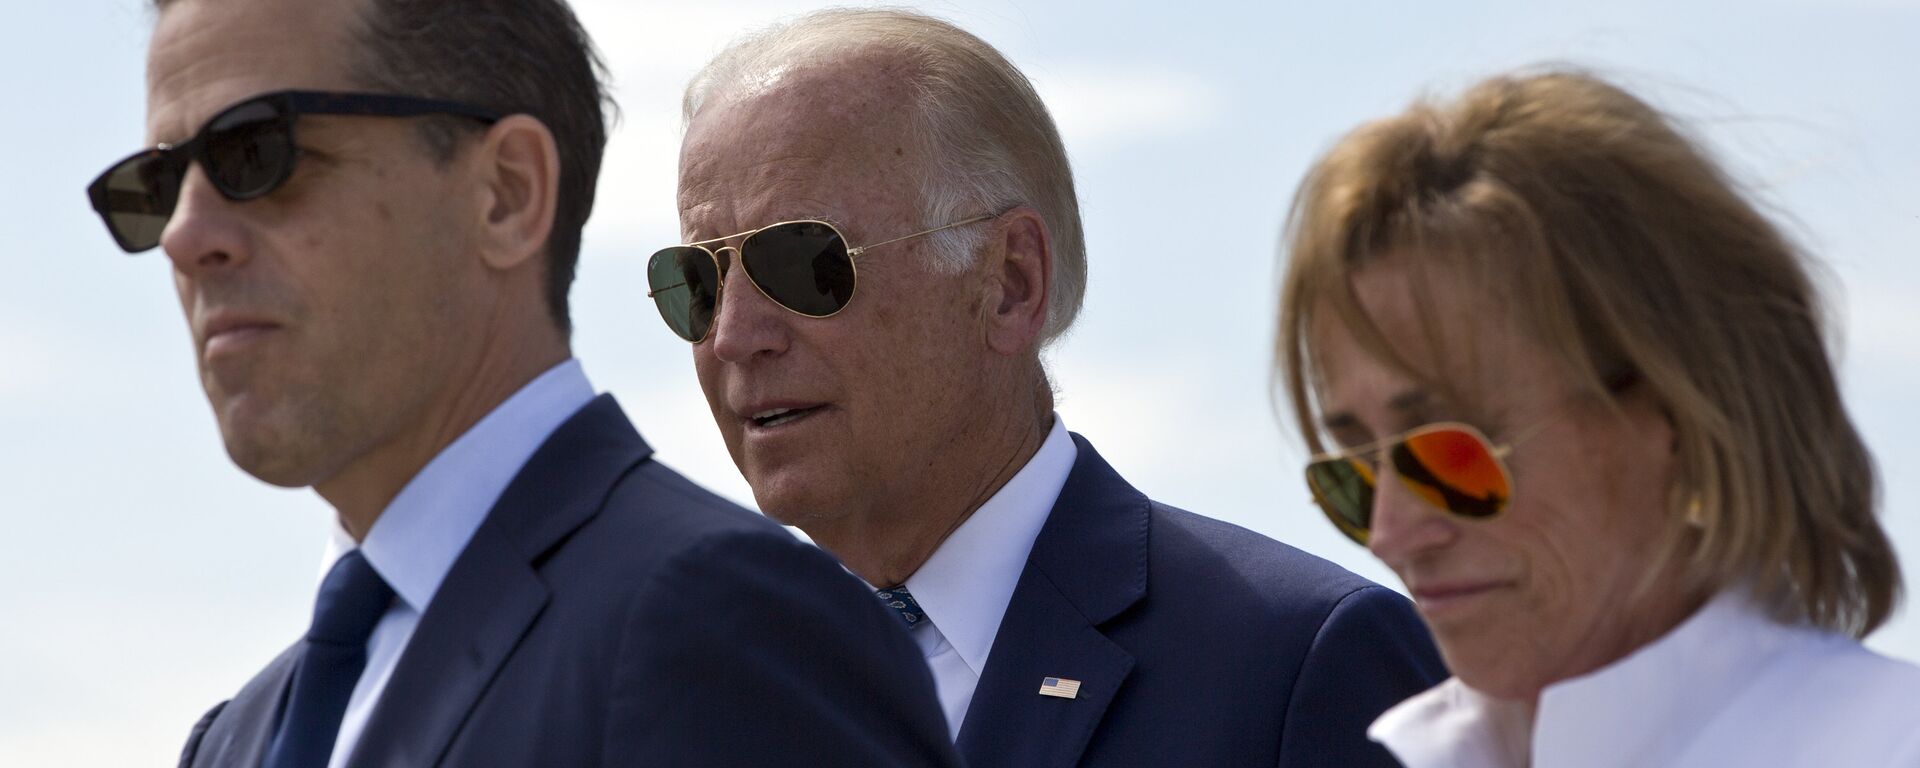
x,y
1501,451
871,246
663,289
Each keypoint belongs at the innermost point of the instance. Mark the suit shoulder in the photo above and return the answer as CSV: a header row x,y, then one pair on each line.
x,y
1206,564
1184,542
671,510
1292,601
199,734
653,517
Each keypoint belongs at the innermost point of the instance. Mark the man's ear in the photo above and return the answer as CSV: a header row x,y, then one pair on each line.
x,y
1019,277
519,170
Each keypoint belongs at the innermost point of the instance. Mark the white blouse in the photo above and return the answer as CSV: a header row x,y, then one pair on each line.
x,y
1730,686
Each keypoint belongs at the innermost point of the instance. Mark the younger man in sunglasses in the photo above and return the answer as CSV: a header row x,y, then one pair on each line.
x,y
372,210
882,235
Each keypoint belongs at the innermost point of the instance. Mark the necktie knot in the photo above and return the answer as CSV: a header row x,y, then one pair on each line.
x,y
352,599
902,603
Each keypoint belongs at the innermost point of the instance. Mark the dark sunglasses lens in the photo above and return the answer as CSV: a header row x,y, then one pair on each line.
x,y
249,150
1454,470
136,197
685,284
802,265
1344,489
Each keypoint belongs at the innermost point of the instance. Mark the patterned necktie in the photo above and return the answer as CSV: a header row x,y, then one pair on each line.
x,y
902,602
352,599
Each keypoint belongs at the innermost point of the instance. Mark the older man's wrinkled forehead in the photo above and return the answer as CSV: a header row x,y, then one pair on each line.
x,y
851,119
858,82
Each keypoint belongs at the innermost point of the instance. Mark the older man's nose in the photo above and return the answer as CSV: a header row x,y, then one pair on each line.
x,y
206,232
747,323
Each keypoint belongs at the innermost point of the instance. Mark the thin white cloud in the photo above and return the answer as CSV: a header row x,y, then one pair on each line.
x,y
1100,108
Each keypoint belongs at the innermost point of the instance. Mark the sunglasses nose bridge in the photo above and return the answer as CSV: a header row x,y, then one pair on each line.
x,y
203,230
1403,523
724,256
1410,515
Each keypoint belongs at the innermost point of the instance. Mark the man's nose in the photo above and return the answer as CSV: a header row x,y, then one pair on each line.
x,y
205,232
746,323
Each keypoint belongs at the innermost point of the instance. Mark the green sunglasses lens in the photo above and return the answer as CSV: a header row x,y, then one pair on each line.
x,y
136,197
1344,489
803,265
685,284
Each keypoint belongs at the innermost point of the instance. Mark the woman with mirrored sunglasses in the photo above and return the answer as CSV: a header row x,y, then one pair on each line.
x,y
1561,377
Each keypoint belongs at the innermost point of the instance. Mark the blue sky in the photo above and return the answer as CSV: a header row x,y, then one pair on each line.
x,y
146,578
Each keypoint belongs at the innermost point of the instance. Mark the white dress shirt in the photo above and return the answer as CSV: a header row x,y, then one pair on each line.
x,y
965,586
1730,686
418,536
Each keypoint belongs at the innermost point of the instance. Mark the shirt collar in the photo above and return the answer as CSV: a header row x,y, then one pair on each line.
x,y
967,583
1638,710
417,537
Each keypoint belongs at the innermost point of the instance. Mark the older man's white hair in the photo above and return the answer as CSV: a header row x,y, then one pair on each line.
x,y
984,130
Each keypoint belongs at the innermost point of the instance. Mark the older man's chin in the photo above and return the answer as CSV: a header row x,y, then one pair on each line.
x,y
792,498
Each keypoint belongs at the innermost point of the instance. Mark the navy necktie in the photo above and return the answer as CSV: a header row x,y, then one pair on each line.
x,y
351,601
902,602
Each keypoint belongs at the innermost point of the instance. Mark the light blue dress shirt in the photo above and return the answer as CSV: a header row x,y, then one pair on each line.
x,y
419,535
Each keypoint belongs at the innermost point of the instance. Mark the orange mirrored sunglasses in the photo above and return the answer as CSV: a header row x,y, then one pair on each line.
x,y
1449,465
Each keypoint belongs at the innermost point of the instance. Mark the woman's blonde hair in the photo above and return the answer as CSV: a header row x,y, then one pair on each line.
x,y
1617,243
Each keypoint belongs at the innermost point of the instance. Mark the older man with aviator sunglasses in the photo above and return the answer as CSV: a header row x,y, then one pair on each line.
x,y
372,209
882,235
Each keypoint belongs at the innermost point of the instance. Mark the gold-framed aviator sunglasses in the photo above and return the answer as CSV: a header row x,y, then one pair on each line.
x,y
1451,466
805,266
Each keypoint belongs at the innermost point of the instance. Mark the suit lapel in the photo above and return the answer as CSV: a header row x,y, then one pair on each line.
x,y
1042,636
1088,565
239,733
493,594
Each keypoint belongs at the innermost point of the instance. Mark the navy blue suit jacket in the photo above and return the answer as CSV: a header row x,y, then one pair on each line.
x,y
610,613
1196,643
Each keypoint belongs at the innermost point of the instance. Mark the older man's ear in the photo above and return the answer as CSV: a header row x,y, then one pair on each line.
x,y
1018,272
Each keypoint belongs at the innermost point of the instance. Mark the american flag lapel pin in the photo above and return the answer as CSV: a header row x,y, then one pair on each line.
x,y
1060,687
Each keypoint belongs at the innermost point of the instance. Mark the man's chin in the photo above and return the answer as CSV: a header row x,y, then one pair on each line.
x,y
271,469
792,498
273,460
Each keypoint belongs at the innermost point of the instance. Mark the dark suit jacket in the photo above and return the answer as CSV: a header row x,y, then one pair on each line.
x,y
1196,642
610,613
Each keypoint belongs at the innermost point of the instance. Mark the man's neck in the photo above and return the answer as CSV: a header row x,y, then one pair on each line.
x,y
362,490
884,549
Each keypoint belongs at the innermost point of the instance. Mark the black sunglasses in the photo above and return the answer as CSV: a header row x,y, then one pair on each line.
x,y
803,266
247,150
